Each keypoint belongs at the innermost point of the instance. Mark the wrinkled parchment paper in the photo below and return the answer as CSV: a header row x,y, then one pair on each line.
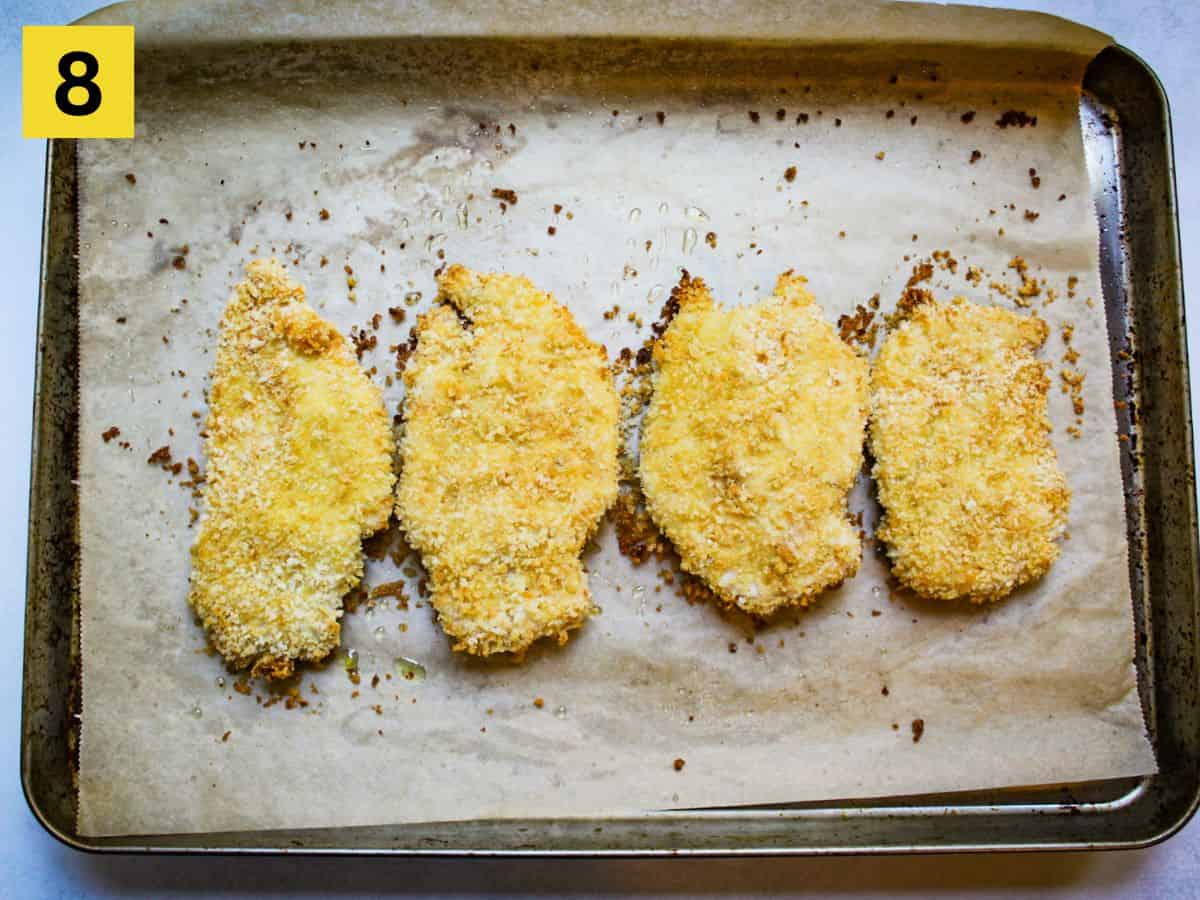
x,y
402,142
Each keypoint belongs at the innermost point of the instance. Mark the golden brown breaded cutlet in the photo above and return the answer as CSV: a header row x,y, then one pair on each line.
x,y
751,444
509,459
299,471
973,498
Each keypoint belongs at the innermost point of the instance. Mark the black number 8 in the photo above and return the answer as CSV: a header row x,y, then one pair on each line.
x,y
62,96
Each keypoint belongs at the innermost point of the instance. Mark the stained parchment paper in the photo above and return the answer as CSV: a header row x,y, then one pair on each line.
x,y
402,141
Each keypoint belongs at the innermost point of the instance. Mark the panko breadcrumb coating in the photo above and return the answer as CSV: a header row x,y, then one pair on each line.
x,y
751,444
299,471
973,498
509,460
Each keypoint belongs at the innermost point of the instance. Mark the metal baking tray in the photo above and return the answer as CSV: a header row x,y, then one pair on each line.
x,y
1128,141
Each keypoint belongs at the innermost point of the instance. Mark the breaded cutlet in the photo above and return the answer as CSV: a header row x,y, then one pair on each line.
x,y
509,460
751,444
299,471
973,499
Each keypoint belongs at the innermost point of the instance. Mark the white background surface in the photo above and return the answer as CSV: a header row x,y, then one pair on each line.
x,y
1166,34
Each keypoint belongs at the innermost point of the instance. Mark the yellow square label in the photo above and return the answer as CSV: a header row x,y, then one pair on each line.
x,y
77,81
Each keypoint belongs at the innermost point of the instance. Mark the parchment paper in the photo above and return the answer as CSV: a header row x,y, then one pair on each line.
x,y
402,142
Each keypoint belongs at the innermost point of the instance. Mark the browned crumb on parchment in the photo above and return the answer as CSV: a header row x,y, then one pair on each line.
x,y
404,351
859,329
110,433
193,484
945,261
362,340
918,730
912,298
1029,286
1016,117
388,544
637,536
505,195
913,295
356,597
1072,380
395,589
286,692
162,458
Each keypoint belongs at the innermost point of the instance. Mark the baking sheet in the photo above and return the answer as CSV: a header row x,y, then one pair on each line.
x,y
1040,689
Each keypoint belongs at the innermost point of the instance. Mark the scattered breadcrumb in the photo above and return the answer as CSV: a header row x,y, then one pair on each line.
x,y
507,195
1016,117
859,329
1029,288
